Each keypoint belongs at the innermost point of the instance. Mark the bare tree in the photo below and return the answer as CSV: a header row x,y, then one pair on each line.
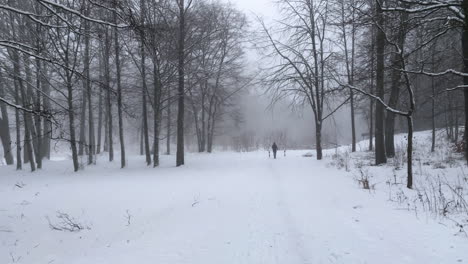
x,y
119,89
5,126
301,73
180,155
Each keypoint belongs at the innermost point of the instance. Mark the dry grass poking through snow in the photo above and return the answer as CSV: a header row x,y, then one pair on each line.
x,y
440,178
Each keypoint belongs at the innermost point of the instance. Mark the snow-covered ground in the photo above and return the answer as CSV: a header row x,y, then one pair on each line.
x,y
221,208
440,178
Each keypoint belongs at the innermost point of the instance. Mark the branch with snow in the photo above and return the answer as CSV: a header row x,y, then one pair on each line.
x,y
27,110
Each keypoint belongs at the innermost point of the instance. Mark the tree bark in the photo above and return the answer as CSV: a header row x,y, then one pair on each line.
x,y
37,106
82,141
29,102
71,118
465,70
180,156
119,92
19,163
47,124
27,121
91,138
371,90
100,111
110,143
390,117
457,125
169,123
5,136
380,154
144,85
157,113
318,139
211,128
409,183
433,115
349,61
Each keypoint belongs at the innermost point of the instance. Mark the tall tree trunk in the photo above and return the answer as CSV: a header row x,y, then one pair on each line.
x,y
395,89
142,148
457,125
410,152
353,116
371,90
91,138
5,136
211,128
157,113
465,70
100,113
349,62
451,123
37,118
27,121
19,163
26,140
446,116
119,92
71,119
106,128
203,124
318,139
110,143
169,123
390,117
82,141
145,115
47,124
380,154
144,86
29,102
180,156
433,115
196,120
371,121
211,117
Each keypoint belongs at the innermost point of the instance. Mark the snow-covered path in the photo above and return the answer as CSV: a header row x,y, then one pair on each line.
x,y
222,208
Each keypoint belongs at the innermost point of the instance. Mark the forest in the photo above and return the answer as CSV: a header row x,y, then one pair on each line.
x,y
215,131
90,72
85,72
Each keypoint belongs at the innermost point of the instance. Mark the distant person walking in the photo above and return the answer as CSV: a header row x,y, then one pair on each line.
x,y
275,148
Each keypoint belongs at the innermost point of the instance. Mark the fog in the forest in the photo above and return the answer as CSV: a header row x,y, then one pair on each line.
x,y
262,117
125,77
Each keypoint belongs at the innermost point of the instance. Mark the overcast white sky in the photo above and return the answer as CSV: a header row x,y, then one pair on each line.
x,y
261,7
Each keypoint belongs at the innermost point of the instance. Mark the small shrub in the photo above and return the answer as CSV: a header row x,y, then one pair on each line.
x,y
459,147
439,165
359,164
364,180
341,160
66,223
400,157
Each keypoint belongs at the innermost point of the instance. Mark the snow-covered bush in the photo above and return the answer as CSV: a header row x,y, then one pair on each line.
x,y
400,156
440,181
363,179
341,160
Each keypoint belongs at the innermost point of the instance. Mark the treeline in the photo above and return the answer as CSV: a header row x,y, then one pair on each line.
x,y
82,71
390,60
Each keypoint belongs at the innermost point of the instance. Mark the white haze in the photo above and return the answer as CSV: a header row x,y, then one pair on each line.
x,y
299,125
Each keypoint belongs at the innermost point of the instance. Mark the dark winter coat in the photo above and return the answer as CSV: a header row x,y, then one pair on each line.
x,y
274,147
